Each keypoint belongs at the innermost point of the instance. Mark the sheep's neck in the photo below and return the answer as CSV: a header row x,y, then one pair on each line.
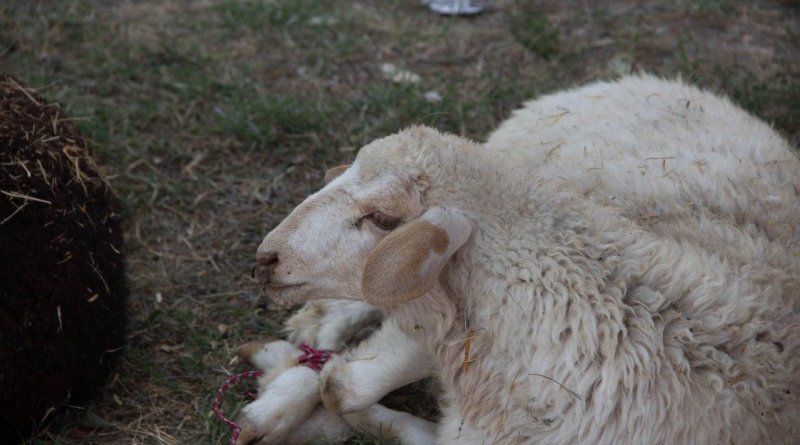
x,y
429,319
549,254
550,248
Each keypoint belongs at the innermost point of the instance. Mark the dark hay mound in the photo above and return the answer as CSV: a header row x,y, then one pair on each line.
x,y
62,291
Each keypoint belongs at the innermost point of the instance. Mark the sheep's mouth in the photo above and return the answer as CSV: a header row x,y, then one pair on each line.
x,y
283,294
280,287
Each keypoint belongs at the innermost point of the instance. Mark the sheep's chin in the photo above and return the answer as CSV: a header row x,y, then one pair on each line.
x,y
286,297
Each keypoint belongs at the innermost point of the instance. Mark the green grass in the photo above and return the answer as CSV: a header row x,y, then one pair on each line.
x,y
776,100
260,14
533,30
710,6
265,119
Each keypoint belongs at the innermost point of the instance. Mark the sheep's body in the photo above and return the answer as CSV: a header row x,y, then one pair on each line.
x,y
630,276
650,269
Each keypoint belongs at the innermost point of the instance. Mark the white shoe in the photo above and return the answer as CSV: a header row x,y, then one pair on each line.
x,y
457,7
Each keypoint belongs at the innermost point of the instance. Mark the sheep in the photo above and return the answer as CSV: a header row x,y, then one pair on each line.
x,y
62,282
616,265
287,409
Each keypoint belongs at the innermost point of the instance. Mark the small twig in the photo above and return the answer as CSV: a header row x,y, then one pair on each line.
x,y
94,267
467,344
44,174
25,197
72,153
60,325
571,392
24,91
24,167
19,209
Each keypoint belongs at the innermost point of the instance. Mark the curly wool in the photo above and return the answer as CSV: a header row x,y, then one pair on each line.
x,y
633,274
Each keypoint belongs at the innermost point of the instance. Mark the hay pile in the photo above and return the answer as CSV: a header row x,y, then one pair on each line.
x,y
62,290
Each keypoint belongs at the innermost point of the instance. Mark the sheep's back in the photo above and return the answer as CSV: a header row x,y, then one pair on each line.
x,y
648,145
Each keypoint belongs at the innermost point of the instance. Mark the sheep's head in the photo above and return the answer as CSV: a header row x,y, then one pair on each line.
x,y
369,234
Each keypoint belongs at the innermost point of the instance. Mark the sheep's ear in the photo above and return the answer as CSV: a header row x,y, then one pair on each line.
x,y
334,172
407,263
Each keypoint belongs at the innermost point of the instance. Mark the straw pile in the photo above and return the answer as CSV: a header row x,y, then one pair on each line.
x,y
62,290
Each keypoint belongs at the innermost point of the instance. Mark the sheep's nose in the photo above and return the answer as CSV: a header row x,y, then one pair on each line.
x,y
267,259
266,263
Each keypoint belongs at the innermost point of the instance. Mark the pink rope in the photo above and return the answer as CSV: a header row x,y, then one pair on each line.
x,y
221,393
312,358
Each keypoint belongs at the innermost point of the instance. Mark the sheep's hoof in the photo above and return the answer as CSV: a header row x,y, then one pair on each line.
x,y
247,351
250,434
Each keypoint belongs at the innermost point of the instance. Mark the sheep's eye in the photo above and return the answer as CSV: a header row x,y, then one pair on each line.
x,y
384,221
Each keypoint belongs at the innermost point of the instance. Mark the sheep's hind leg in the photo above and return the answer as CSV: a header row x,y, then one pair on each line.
x,y
322,426
390,424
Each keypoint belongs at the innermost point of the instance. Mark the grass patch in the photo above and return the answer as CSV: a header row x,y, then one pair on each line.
x,y
533,30
390,107
710,6
263,119
260,14
776,99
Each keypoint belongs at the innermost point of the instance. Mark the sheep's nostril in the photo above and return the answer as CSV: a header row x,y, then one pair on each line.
x,y
268,259
265,266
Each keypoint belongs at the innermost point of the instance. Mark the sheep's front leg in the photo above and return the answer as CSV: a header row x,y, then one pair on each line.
x,y
287,410
384,362
285,403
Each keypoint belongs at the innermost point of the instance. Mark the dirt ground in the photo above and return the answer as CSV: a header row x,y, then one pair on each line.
x,y
215,117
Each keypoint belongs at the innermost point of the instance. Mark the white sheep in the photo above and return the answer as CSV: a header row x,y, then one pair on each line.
x,y
617,265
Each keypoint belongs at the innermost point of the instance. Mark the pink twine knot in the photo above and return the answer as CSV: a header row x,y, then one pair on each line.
x,y
312,358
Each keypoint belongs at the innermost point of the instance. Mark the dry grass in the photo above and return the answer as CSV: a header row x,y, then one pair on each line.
x,y
215,117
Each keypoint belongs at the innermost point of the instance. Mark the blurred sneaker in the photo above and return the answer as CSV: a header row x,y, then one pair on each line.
x,y
458,7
